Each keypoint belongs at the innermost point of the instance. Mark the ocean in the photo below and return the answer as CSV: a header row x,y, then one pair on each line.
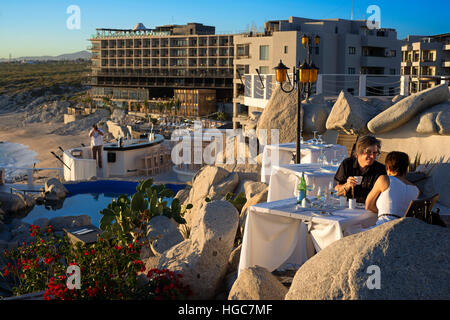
x,y
16,155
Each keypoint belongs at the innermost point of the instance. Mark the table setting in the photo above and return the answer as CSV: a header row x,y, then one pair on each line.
x,y
284,232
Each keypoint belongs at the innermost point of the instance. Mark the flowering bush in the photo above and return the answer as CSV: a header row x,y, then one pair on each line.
x,y
107,271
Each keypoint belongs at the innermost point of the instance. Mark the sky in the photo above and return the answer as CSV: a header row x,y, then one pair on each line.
x,y
37,28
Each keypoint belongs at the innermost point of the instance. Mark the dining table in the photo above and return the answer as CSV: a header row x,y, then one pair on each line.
x,y
283,235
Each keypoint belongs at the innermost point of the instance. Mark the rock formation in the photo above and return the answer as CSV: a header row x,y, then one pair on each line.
x,y
412,259
203,258
256,283
350,114
404,110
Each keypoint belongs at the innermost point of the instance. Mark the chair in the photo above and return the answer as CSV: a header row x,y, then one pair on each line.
x,y
348,141
422,210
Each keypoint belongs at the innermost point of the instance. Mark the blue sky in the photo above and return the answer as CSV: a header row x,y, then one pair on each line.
x,y
35,28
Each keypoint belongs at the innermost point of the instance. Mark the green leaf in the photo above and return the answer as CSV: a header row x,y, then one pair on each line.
x,y
143,185
138,202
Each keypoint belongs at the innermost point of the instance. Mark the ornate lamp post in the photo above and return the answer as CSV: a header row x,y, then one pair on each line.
x,y
303,77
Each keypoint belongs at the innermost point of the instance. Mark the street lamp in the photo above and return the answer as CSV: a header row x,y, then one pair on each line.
x,y
304,75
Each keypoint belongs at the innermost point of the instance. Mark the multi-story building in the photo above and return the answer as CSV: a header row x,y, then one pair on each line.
x,y
347,49
426,59
139,64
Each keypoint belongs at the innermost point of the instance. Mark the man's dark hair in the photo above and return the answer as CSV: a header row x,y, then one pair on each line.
x,y
365,142
397,162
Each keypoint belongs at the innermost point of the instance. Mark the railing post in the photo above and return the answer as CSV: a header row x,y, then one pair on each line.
x,y
362,85
30,177
319,84
404,85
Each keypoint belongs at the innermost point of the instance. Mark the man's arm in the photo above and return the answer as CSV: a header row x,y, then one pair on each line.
x,y
343,183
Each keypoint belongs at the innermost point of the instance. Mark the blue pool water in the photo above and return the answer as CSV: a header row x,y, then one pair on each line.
x,y
89,198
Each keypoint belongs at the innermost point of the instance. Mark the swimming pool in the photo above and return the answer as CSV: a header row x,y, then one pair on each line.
x,y
89,198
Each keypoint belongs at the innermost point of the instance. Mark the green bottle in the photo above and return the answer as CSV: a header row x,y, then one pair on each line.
x,y
301,189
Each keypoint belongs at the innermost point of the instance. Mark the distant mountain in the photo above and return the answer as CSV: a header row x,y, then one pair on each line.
x,y
86,55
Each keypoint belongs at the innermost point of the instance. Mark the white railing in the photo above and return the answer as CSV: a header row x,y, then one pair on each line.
x,y
31,171
259,88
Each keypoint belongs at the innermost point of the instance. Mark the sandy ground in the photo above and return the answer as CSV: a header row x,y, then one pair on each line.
x,y
38,138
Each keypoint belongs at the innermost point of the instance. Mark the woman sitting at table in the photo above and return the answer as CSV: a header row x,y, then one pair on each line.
x,y
362,163
392,193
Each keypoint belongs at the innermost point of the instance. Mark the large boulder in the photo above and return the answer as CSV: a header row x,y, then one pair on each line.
x,y
280,114
203,258
163,233
54,190
15,205
350,114
428,120
60,223
404,110
210,182
256,283
405,259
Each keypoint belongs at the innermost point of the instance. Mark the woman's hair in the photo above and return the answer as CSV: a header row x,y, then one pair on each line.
x,y
365,142
397,162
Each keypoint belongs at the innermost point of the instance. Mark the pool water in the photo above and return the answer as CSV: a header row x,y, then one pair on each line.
x,y
89,198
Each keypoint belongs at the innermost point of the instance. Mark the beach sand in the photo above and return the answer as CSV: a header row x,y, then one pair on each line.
x,y
38,138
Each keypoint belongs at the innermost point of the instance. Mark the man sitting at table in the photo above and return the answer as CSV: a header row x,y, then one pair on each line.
x,y
361,163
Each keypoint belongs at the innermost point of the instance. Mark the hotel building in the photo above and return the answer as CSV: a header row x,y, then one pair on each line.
x,y
140,64
426,59
347,50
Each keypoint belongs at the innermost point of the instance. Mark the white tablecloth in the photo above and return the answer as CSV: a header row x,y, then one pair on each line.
x,y
276,233
284,179
309,154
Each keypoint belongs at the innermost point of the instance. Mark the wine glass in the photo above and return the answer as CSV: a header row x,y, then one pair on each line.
x,y
335,160
319,141
322,159
314,140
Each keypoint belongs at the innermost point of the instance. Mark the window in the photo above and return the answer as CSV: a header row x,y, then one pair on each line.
x,y
393,53
351,70
263,52
392,71
285,49
351,91
317,50
264,70
351,50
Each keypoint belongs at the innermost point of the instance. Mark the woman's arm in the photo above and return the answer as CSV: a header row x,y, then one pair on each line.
x,y
380,185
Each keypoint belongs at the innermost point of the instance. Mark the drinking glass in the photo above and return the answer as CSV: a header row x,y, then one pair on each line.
x,y
335,160
314,140
322,159
320,141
